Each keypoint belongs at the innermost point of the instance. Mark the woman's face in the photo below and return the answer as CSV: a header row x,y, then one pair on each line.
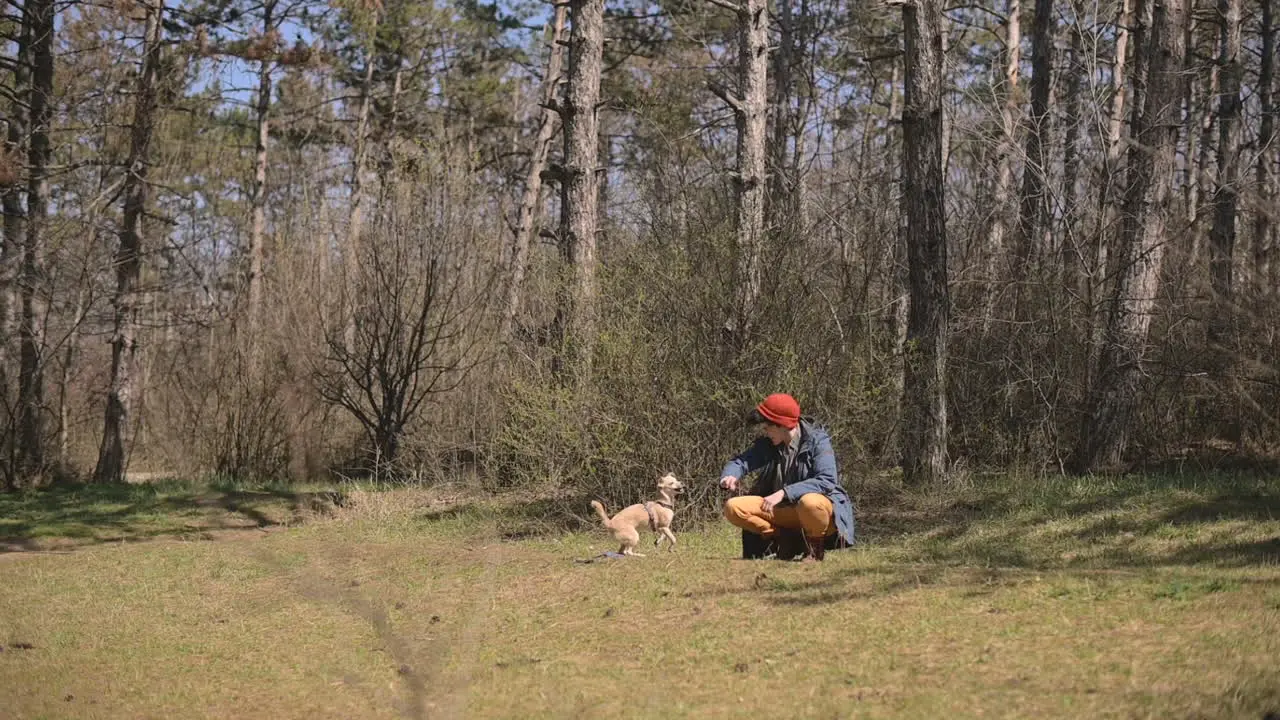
x,y
777,434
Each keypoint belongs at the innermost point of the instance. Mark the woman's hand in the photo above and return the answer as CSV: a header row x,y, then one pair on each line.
x,y
729,482
772,500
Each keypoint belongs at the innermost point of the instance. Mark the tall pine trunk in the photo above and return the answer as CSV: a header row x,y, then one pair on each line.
x,y
1201,149
258,199
1264,228
1034,206
1113,395
924,405
750,112
785,200
359,159
121,391
1097,258
1222,234
32,435
580,216
1002,206
527,220
1071,162
14,239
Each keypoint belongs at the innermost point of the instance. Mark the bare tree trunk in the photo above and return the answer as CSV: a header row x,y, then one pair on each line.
x,y
389,178
14,234
924,406
899,282
1264,231
1071,158
1198,112
750,112
1115,116
1222,235
122,389
69,354
1002,198
1221,332
783,195
1188,179
360,153
1097,256
527,219
258,200
1034,213
605,162
1143,11
31,330
581,133
804,92
947,123
895,99
1112,398
1202,186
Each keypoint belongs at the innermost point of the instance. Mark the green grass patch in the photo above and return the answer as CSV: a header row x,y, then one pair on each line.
x,y
1140,598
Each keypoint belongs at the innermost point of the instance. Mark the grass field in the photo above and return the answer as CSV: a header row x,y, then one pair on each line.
x,y
1131,598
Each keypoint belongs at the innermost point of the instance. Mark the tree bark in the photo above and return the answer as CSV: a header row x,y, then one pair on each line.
x,y
750,113
121,391
581,133
1264,230
527,219
1222,235
258,200
924,437
1112,398
604,161
69,355
1071,159
32,436
1034,203
360,152
1142,20
1097,256
1202,182
1002,197
784,197
948,124
14,237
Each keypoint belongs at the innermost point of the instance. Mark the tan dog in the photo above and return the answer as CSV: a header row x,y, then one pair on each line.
x,y
656,514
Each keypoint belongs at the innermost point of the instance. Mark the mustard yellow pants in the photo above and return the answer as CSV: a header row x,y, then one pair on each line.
x,y
813,514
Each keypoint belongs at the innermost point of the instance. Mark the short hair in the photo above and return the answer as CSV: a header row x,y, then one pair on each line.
x,y
755,418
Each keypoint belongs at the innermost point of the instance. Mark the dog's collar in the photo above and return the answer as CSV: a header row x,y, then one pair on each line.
x,y
665,504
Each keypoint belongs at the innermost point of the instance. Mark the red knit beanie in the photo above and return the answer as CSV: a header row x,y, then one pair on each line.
x,y
780,409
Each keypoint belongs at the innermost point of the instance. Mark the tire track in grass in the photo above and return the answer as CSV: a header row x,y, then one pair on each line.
x,y
422,673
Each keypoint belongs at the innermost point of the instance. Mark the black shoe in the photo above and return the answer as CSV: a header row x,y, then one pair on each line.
x,y
791,544
756,547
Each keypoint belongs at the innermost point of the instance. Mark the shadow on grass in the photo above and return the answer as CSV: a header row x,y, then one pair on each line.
x,y
1147,521
1094,529
1227,520
521,519
76,515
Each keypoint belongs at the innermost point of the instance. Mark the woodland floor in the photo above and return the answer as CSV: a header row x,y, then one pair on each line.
x,y
1144,596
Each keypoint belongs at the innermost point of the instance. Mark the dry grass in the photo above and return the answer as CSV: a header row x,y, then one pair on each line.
x,y
1149,599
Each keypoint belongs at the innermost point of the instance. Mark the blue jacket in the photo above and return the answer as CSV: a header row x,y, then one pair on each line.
x,y
814,471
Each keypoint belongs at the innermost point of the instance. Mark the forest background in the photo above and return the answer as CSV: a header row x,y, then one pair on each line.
x,y
529,245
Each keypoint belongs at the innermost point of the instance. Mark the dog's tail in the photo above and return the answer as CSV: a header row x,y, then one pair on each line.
x,y
604,517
